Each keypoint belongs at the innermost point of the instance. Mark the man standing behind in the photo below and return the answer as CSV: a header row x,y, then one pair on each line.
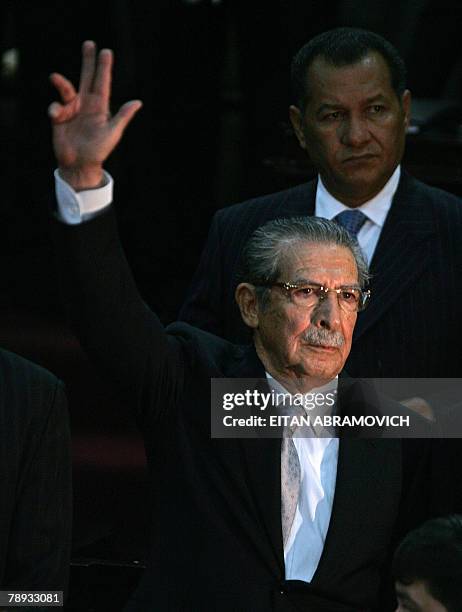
x,y
350,113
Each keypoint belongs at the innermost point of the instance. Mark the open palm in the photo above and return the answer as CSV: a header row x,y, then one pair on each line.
x,y
84,133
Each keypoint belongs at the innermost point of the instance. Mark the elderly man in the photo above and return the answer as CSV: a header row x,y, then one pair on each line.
x,y
238,524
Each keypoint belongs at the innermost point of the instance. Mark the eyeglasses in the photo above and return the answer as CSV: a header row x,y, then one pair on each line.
x,y
308,295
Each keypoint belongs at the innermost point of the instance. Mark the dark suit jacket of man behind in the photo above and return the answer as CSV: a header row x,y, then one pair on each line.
x,y
412,326
35,478
216,532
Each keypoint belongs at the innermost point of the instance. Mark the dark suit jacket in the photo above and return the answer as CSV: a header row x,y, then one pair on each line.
x,y
216,531
35,478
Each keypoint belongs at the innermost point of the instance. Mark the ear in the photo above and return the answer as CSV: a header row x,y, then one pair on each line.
x,y
296,119
246,298
406,104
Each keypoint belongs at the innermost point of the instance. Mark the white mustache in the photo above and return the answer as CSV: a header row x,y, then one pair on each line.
x,y
323,337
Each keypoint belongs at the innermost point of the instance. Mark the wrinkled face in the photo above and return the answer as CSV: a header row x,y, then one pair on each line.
x,y
415,597
298,341
353,127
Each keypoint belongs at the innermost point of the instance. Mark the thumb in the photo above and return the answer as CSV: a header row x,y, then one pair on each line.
x,y
126,114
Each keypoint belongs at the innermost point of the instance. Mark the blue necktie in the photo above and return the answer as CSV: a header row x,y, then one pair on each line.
x,y
351,220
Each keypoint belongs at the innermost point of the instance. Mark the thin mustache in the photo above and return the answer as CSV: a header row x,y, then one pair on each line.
x,y
323,337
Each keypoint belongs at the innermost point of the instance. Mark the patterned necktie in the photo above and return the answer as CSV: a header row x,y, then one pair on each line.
x,y
290,481
351,220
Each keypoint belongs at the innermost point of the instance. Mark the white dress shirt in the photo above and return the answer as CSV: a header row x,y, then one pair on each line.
x,y
376,211
318,458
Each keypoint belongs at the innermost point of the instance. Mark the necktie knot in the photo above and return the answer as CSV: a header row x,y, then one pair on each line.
x,y
351,220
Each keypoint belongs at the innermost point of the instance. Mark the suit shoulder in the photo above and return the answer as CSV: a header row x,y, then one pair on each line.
x,y
186,334
30,394
438,196
200,347
20,371
282,202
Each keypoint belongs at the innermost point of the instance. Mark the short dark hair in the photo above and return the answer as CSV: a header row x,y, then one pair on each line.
x,y
343,47
268,247
433,554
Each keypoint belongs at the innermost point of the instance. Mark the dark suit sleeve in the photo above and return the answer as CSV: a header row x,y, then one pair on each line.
x,y
40,533
122,336
203,306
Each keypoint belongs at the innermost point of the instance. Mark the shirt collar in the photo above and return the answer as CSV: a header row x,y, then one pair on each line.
x,y
376,210
277,387
329,388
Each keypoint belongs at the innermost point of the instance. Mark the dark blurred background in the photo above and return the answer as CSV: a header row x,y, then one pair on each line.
x,y
213,76
214,79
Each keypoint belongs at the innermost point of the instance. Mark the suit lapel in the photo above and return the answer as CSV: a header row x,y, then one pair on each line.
x,y
301,203
402,251
359,488
262,458
357,468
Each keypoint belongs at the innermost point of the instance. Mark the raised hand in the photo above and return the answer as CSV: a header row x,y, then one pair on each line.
x,y
84,133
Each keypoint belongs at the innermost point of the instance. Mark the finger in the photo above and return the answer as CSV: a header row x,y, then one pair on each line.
x,y
59,113
102,84
54,110
126,114
88,66
64,86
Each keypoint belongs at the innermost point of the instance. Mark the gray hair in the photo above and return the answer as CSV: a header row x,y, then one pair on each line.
x,y
267,249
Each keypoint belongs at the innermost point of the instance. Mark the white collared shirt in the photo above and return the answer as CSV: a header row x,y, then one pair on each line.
x,y
318,457
376,211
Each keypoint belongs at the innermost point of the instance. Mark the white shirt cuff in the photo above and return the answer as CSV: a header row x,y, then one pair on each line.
x,y
73,207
